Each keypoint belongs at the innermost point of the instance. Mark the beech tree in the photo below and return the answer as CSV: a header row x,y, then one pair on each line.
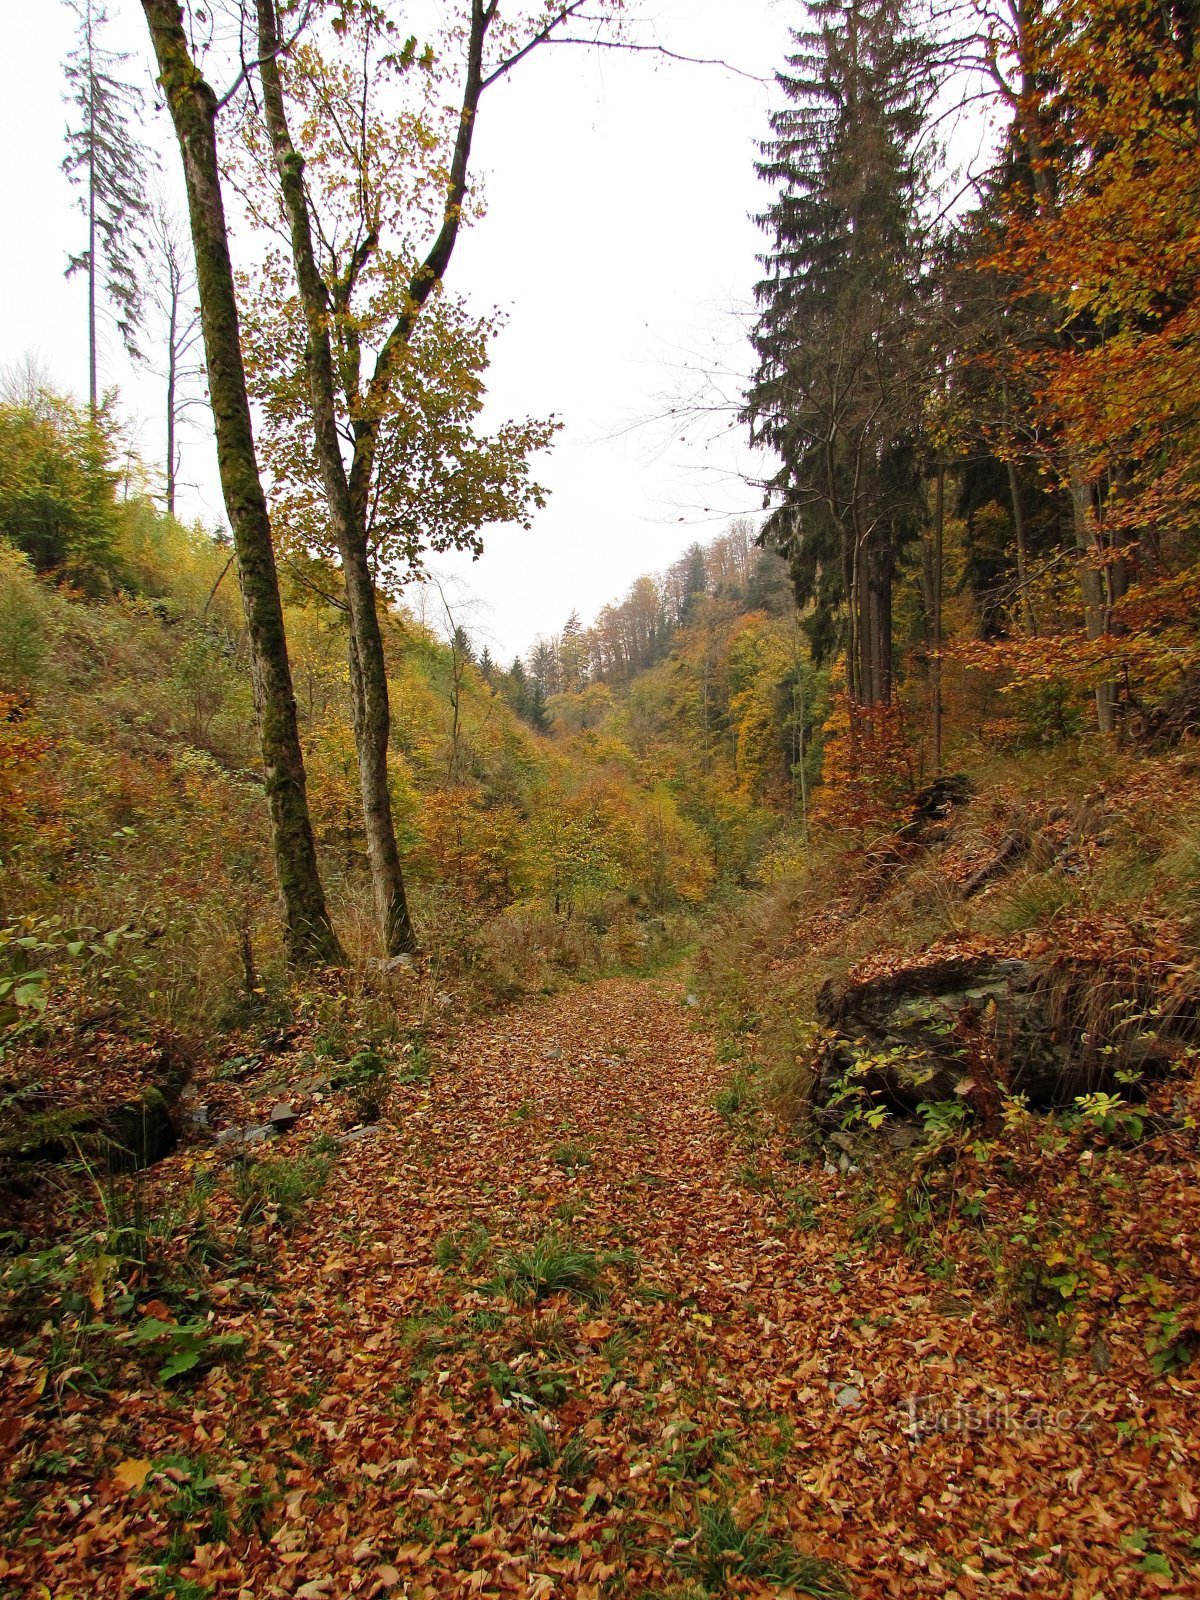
x,y
193,106
1098,250
331,274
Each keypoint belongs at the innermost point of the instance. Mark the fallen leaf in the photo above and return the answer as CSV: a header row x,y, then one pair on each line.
x,y
132,1473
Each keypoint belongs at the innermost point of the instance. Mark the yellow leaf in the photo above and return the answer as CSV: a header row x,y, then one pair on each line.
x,y
132,1474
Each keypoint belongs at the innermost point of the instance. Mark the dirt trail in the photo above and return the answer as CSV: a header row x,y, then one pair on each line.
x,y
719,1399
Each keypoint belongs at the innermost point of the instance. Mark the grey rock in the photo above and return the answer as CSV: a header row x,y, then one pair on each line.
x,y
354,1135
847,1397
284,1116
903,1135
392,965
243,1136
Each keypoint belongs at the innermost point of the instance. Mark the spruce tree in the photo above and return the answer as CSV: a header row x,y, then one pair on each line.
x,y
835,394
107,161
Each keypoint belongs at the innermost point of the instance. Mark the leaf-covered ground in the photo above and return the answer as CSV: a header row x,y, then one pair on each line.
x,y
564,1326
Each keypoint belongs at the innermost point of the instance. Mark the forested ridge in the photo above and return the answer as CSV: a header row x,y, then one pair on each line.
x,y
707,1106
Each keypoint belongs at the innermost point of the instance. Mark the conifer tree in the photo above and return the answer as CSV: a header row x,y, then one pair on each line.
x,y
110,165
572,655
834,394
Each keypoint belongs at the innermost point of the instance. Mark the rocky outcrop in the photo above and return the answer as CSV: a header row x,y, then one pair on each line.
x,y
972,1027
126,1129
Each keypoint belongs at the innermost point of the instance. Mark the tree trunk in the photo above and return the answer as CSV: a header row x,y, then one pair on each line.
x,y
372,731
308,931
1092,582
172,361
1027,611
939,533
368,665
93,395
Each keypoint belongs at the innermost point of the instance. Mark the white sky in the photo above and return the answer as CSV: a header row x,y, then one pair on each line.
x,y
618,241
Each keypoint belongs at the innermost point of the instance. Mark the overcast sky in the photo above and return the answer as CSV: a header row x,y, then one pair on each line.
x,y
618,240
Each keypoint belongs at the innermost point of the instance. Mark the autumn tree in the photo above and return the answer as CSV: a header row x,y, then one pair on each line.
x,y
1111,248
194,107
572,655
388,175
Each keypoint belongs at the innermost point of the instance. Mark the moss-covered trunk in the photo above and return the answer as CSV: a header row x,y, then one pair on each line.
x,y
193,106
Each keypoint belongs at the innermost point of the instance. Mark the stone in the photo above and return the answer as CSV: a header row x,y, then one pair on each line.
x,y
903,1135
847,1397
392,966
284,1116
354,1135
244,1136
927,1018
972,1027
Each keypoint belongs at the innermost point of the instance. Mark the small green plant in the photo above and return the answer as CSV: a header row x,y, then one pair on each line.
x,y
1109,1116
183,1346
30,950
284,1185
425,1334
196,1513
572,1156
1166,1344
552,1266
572,1460
943,1119
366,1079
540,1445
418,1062
737,1094
692,1456
725,1549
800,1209
462,1248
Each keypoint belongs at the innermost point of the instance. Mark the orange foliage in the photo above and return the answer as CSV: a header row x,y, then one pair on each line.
x,y
867,772
21,751
1112,246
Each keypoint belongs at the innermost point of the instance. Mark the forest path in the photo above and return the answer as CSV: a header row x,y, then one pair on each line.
x,y
726,1412
561,1329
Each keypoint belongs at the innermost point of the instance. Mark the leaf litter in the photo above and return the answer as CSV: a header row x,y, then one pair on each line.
x,y
676,1369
